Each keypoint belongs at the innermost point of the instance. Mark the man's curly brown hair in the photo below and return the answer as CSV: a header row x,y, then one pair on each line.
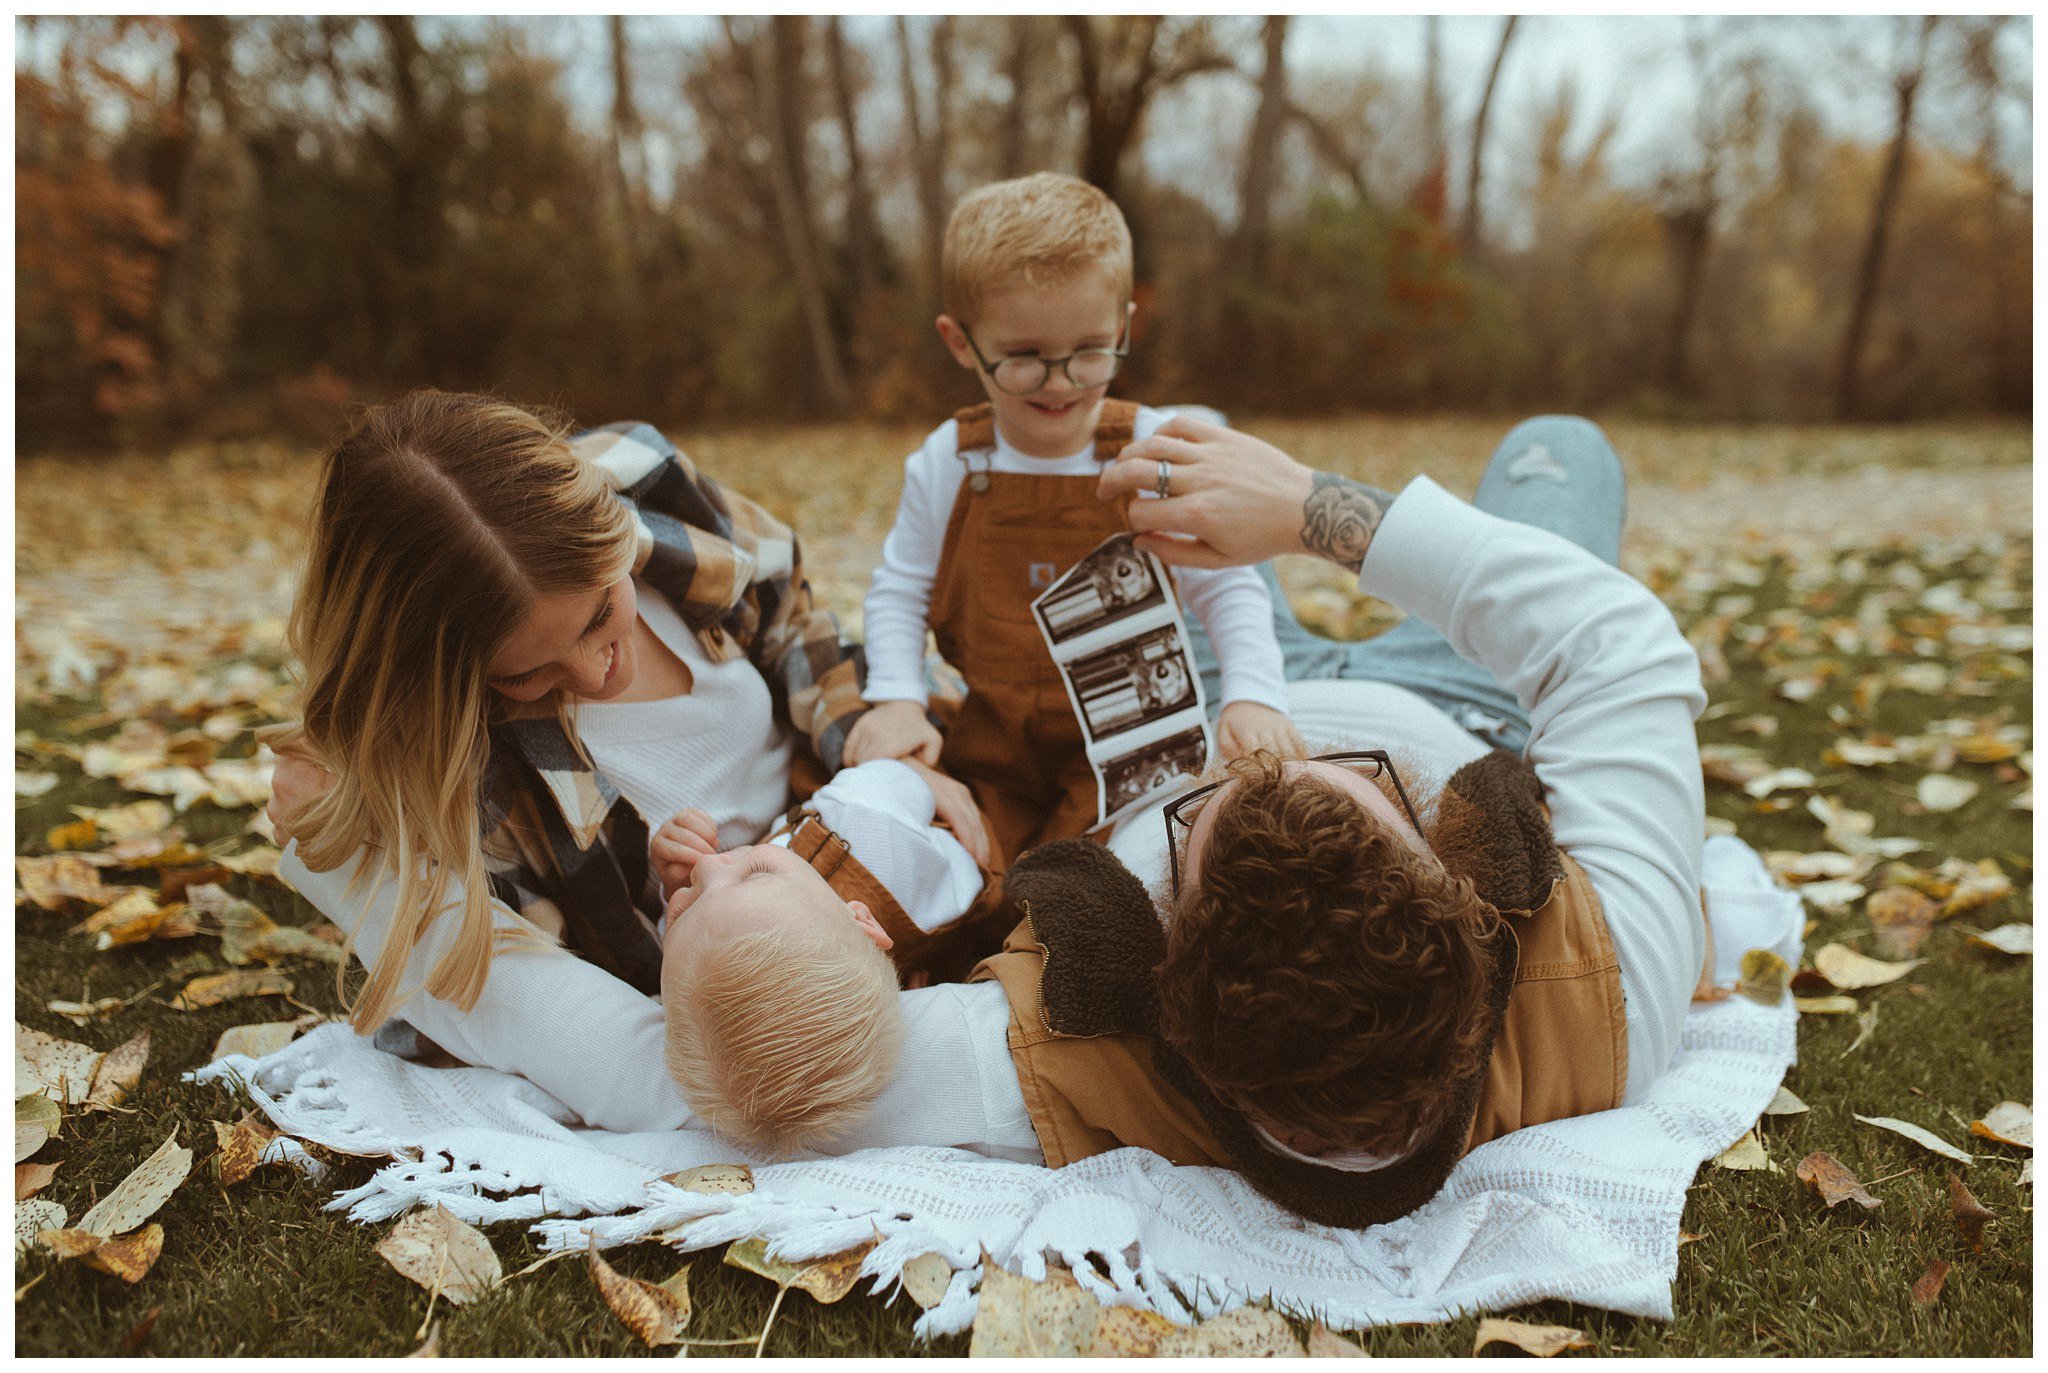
x,y
1322,976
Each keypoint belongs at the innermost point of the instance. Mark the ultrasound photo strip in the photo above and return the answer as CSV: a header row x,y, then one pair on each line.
x,y
1127,781
1133,683
1114,582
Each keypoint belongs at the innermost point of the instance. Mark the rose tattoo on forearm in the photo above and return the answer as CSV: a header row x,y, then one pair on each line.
x,y
1339,517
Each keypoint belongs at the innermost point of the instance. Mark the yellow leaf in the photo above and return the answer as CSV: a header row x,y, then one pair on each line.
x,y
53,883
1019,1318
211,991
131,821
1244,1332
79,834
1541,1340
1825,1005
442,1254
1746,1155
1852,971
926,1278
260,861
136,919
118,1073
1764,976
129,1257
2009,1123
1785,1104
55,1068
658,1315
1975,888
2008,939
1127,1332
257,1041
136,1197
241,1147
715,1179
827,1279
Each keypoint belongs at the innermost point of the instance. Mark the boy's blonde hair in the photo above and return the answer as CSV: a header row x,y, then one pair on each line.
x,y
785,1034
1033,231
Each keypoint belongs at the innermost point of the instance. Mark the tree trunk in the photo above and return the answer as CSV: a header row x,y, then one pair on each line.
x,y
1906,89
1248,246
1018,68
863,240
1115,104
1435,145
927,170
1689,231
1472,173
778,68
202,301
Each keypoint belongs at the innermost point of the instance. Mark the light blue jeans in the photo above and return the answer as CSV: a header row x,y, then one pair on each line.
x,y
1556,472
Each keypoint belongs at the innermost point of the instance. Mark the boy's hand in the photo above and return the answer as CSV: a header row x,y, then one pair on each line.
x,y
678,845
1246,726
893,729
954,804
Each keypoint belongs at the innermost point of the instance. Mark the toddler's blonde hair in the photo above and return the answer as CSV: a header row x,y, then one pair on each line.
x,y
782,1035
1035,230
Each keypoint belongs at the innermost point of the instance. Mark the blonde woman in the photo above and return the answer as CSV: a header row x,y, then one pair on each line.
x,y
521,652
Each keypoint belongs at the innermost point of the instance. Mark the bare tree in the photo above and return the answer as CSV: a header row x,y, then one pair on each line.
x,y
1906,77
863,239
930,133
1017,67
1983,68
778,81
203,290
1122,64
1248,245
1470,232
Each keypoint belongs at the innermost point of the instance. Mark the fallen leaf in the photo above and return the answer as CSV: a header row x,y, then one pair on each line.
x,y
442,1254
715,1179
1783,1103
136,1197
258,1040
1969,1213
1814,867
1778,779
1019,1318
1763,977
69,1243
135,919
127,822
1938,791
1831,896
56,1068
1825,1005
211,991
118,1073
1128,1332
2007,939
1834,1183
1928,1288
1746,1155
1852,971
926,1278
138,1333
1541,1340
32,784
1926,1139
1243,1332
85,1012
431,1347
1901,918
260,861
1858,753
657,1314
1866,1026
1325,1343
2009,1123
827,1279
32,1219
53,883
79,834
241,1147
1975,887
129,1257
36,1120
31,1178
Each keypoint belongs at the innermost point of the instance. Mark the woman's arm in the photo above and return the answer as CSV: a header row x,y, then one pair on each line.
x,y
564,1025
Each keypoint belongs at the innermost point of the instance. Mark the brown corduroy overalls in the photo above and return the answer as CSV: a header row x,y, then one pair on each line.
x,y
1015,741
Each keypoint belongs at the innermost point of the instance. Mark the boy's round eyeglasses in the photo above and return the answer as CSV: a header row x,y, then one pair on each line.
x,y
1183,811
1022,373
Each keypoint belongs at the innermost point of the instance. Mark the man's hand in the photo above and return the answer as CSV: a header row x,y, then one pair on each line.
x,y
893,729
1246,726
1233,499
677,846
294,783
955,804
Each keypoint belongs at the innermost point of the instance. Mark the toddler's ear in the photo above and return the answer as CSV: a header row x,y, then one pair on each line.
x,y
870,926
955,339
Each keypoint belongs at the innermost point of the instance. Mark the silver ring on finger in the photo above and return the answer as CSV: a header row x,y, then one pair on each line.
x,y
1165,478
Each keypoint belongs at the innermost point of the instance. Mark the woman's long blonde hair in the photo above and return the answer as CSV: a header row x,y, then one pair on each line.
x,y
442,519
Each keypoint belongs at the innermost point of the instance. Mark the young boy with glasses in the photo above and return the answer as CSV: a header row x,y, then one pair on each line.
x,y
1000,500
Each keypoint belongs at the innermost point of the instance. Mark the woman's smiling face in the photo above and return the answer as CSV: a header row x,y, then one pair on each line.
x,y
579,642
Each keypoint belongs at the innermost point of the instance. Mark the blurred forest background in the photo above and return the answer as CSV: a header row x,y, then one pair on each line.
x,y
233,225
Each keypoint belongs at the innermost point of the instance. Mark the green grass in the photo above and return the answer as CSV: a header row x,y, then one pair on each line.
x,y
262,1269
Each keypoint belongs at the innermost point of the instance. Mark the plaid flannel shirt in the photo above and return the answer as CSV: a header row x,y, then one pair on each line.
x,y
562,845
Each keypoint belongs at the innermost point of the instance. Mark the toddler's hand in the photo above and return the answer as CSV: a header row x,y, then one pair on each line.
x,y
678,845
1246,726
893,729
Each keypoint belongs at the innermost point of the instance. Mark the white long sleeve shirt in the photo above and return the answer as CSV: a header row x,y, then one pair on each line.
x,y
1612,689
1231,603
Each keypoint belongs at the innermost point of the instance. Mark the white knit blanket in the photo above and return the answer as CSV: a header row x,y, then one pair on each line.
x,y
1586,1210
